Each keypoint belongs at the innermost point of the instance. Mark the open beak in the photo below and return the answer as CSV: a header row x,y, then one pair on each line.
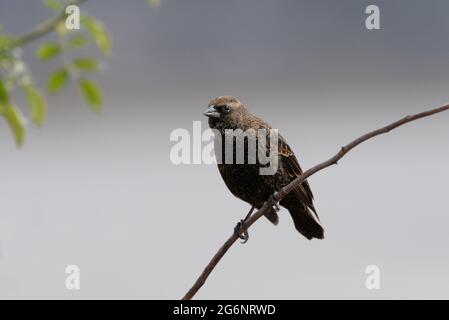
x,y
211,112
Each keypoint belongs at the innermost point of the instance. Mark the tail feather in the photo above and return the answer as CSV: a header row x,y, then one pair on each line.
x,y
272,216
306,222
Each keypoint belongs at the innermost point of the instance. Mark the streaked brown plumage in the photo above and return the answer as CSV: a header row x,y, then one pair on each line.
x,y
245,181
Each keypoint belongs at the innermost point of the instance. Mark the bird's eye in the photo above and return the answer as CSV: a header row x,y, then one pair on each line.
x,y
226,109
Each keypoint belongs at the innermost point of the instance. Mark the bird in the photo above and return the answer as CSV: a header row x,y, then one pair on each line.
x,y
228,114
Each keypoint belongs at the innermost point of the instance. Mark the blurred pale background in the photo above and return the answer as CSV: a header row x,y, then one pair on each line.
x,y
99,191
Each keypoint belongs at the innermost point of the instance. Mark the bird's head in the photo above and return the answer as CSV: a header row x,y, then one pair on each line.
x,y
225,112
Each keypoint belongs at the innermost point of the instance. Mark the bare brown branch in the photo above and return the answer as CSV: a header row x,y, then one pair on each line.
x,y
284,191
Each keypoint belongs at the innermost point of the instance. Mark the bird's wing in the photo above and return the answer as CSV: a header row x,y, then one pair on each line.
x,y
292,167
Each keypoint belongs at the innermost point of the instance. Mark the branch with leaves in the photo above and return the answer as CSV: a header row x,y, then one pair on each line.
x,y
296,182
47,26
70,46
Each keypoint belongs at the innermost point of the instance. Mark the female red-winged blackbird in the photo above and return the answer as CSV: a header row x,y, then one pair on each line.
x,y
245,180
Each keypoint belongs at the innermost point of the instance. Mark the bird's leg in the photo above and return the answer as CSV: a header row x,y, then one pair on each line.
x,y
276,205
238,228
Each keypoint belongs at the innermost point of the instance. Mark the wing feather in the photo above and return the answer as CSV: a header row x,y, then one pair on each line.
x,y
303,192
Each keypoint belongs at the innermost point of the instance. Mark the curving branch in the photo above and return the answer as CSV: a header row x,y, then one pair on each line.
x,y
297,181
43,28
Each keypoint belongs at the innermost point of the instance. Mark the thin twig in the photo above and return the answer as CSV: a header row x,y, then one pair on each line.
x,y
44,28
292,185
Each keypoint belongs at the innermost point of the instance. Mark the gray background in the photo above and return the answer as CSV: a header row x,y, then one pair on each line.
x,y
101,192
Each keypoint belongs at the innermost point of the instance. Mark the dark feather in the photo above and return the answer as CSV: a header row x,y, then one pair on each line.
x,y
245,180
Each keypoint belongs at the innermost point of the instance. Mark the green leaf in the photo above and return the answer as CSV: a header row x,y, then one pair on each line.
x,y
38,105
57,80
61,29
86,64
98,31
48,51
154,3
54,5
5,41
92,93
77,41
16,122
4,95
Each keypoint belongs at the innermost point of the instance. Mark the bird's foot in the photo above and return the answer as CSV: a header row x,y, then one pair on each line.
x,y
239,232
276,204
